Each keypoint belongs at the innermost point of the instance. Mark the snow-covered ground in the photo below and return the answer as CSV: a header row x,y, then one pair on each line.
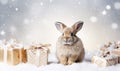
x,y
54,66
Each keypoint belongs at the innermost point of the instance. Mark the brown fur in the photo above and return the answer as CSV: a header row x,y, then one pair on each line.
x,y
69,47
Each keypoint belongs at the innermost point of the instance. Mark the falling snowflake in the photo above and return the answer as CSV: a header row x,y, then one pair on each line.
x,y
117,5
31,20
12,29
41,3
2,32
93,19
10,6
79,3
8,15
12,0
108,7
4,24
26,21
51,1
104,12
4,2
114,25
16,9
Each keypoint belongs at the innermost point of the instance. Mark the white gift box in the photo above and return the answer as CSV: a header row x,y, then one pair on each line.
x,y
37,55
103,62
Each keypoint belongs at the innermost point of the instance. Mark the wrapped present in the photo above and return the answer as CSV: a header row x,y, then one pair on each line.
x,y
105,46
24,55
38,54
2,48
13,56
16,56
105,58
16,53
1,54
103,62
109,55
12,52
108,46
117,53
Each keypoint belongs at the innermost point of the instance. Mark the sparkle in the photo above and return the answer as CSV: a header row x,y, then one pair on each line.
x,y
117,5
93,19
10,6
4,2
2,32
104,12
12,29
16,9
108,7
26,21
12,0
114,25
41,3
79,3
51,1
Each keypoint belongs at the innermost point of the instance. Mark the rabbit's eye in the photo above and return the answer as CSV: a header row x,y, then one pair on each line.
x,y
62,33
72,34
117,47
108,53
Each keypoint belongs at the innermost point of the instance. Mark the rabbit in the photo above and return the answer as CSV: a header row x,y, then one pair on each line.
x,y
69,47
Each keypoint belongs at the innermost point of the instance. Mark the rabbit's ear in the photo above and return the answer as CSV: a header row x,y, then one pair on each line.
x,y
77,26
60,26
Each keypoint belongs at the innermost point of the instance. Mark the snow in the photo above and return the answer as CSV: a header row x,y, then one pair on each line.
x,y
12,0
2,32
104,12
54,66
79,3
41,3
13,29
26,21
51,1
16,9
114,25
108,7
93,19
4,2
117,5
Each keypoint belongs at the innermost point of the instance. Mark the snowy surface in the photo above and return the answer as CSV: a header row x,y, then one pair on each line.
x,y
25,19
53,66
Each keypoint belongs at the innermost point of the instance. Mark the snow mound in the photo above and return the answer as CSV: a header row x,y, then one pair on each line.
x,y
84,66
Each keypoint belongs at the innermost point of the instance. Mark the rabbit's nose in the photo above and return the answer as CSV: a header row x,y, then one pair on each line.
x,y
66,39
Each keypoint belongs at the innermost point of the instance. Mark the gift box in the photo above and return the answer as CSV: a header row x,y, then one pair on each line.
x,y
38,54
2,48
12,53
13,56
16,53
117,53
103,62
1,54
24,55
16,56
109,55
